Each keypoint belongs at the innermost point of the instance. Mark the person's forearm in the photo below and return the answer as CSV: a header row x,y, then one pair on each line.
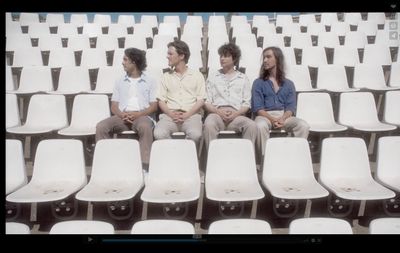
x,y
243,110
149,110
286,115
115,110
210,108
264,113
196,107
164,108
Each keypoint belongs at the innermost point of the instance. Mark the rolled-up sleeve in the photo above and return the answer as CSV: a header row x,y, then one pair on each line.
x,y
290,104
209,91
246,93
257,97
201,87
162,89
153,90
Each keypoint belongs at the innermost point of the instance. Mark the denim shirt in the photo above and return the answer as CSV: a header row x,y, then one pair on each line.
x,y
264,97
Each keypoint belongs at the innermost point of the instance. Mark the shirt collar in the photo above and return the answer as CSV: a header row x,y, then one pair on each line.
x,y
238,74
143,78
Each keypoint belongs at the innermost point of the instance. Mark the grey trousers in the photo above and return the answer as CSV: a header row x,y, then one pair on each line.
x,y
296,126
192,127
142,125
214,123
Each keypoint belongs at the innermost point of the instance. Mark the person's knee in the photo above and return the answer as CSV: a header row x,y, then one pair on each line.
x,y
160,133
194,135
302,129
145,126
261,126
209,126
252,126
102,126
303,125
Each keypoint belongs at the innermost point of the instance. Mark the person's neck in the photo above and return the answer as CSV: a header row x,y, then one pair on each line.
x,y
228,70
181,68
134,74
273,73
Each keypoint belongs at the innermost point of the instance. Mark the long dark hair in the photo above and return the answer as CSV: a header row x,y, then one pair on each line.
x,y
280,63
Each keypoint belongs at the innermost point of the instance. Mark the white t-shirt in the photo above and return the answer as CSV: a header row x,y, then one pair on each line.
x,y
133,102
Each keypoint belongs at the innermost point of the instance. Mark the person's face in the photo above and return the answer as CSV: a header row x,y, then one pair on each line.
x,y
127,64
226,61
269,60
173,57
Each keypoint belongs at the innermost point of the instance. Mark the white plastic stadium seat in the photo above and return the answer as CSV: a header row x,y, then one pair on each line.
x,y
34,79
15,166
46,113
385,226
240,226
345,170
316,109
394,80
314,57
320,226
333,78
17,228
391,113
82,227
231,173
106,79
290,179
87,111
388,160
116,171
12,111
173,172
358,111
9,79
162,227
301,76
58,172
73,80
370,76
27,57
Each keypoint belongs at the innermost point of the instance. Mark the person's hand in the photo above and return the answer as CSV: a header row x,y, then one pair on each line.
x,y
275,122
225,113
232,115
124,116
176,116
279,123
184,116
132,116
221,112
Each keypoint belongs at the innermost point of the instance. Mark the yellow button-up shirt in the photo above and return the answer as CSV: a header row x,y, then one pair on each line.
x,y
181,92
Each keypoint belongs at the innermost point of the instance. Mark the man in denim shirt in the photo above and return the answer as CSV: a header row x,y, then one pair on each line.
x,y
274,100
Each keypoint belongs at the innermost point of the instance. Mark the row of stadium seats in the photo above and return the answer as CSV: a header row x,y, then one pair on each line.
x,y
48,113
173,178
226,226
325,18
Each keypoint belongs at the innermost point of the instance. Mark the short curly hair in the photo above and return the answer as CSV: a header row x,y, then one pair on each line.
x,y
137,56
230,49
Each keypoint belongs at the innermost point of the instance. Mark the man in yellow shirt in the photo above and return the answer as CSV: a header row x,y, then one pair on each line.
x,y
180,96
